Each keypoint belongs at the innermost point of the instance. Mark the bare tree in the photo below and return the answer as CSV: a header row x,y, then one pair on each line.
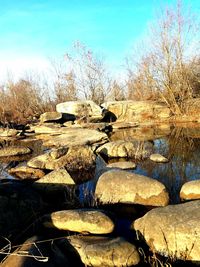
x,y
167,67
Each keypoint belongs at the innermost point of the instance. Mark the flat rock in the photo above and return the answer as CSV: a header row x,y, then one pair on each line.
x,y
60,176
76,137
173,231
8,132
158,158
190,190
25,172
124,165
134,111
80,220
50,116
72,158
14,151
47,129
105,251
117,186
130,149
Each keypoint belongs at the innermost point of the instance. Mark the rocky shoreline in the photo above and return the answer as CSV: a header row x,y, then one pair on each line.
x,y
48,208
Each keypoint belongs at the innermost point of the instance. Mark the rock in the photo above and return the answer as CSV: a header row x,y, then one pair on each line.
x,y
190,190
105,251
47,128
57,153
124,165
158,158
8,132
130,149
25,172
80,220
50,116
173,231
68,123
76,158
56,177
14,151
81,109
117,186
77,137
134,111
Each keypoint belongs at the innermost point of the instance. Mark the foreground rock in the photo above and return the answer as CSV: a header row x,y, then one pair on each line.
x,y
104,251
25,172
118,186
50,116
80,109
173,231
158,158
80,220
72,158
125,149
138,110
14,151
77,137
190,190
124,165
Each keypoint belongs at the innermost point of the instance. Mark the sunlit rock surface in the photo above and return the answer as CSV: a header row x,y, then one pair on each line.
x,y
105,251
117,186
130,149
158,158
138,110
173,231
80,220
81,108
50,116
190,190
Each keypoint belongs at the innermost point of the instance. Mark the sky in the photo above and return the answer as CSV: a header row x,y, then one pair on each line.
x,y
34,31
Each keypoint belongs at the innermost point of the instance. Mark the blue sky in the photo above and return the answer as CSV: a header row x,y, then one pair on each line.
x,y
31,31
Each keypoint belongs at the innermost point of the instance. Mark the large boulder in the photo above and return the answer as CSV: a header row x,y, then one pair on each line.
x,y
104,251
137,110
117,186
50,116
86,108
190,190
80,220
173,231
130,149
76,137
72,158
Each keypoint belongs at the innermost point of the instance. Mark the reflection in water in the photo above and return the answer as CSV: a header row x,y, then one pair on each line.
x,y
183,152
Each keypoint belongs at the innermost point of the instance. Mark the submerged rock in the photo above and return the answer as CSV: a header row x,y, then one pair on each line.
x,y
190,190
124,165
173,231
131,149
25,172
80,220
14,151
117,186
158,158
105,251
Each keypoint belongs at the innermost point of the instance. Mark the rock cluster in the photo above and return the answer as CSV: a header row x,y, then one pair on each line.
x,y
69,199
